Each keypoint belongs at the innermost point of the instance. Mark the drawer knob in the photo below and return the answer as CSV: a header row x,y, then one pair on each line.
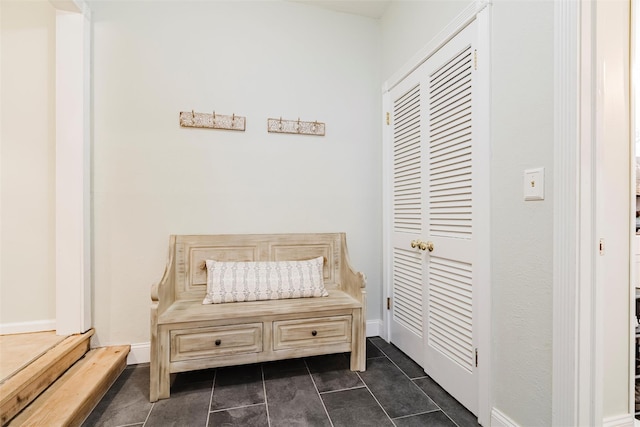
x,y
314,333
218,342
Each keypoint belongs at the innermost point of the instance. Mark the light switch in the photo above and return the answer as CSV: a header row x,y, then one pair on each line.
x,y
534,184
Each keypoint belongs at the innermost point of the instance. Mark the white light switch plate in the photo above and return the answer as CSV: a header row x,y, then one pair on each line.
x,y
534,184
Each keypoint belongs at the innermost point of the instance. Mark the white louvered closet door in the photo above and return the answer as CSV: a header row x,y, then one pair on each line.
x,y
432,190
407,219
449,143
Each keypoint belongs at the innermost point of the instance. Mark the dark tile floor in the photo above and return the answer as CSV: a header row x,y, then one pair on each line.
x,y
315,391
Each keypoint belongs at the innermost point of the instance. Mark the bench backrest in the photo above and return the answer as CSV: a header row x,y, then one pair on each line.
x,y
191,251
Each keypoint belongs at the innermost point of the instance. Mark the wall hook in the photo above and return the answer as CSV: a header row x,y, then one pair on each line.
x,y
295,126
212,121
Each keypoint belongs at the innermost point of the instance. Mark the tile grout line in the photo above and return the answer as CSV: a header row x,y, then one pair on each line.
x,y
264,391
213,387
419,413
374,397
318,391
236,407
153,405
435,403
416,385
342,389
394,363
410,379
367,387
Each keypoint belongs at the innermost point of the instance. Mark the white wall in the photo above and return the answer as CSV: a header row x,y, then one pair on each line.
x,y
408,25
521,232
255,59
27,166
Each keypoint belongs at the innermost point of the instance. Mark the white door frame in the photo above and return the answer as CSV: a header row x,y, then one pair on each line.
x,y
578,285
478,10
73,167
634,61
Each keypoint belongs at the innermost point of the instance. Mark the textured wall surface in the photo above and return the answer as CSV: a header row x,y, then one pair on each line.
x,y
27,157
255,59
522,232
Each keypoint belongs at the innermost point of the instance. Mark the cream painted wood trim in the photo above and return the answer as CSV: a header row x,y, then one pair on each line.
x,y
387,211
499,419
375,328
577,357
634,61
483,234
27,327
566,241
73,192
139,353
625,420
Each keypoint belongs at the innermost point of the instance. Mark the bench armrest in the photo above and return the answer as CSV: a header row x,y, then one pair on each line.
x,y
352,282
163,292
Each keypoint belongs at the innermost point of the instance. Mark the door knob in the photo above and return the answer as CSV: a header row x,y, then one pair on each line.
x,y
422,245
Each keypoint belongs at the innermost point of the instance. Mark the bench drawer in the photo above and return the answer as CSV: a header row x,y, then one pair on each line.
x,y
198,343
311,332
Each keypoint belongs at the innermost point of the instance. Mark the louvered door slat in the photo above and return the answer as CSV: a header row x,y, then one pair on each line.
x,y
407,191
407,155
443,73
450,195
451,100
450,309
407,290
442,341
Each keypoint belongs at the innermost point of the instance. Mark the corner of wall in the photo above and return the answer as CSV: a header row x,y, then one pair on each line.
x,y
499,419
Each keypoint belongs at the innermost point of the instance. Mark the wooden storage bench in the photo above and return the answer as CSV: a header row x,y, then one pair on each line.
x,y
187,335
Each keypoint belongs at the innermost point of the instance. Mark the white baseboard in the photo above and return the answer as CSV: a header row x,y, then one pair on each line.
x,y
498,419
625,420
374,328
27,327
140,353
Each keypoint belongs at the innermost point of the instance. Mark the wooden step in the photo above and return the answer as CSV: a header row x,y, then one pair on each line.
x,y
18,350
24,386
70,400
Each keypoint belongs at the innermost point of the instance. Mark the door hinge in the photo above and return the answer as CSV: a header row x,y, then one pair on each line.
x,y
388,303
476,357
601,246
475,59
388,118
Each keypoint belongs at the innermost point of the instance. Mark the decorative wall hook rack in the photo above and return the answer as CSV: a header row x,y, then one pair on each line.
x,y
295,126
191,119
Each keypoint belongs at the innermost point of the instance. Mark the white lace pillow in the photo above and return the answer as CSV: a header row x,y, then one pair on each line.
x,y
229,281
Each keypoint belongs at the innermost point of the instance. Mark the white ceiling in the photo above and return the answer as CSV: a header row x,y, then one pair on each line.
x,y
369,8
